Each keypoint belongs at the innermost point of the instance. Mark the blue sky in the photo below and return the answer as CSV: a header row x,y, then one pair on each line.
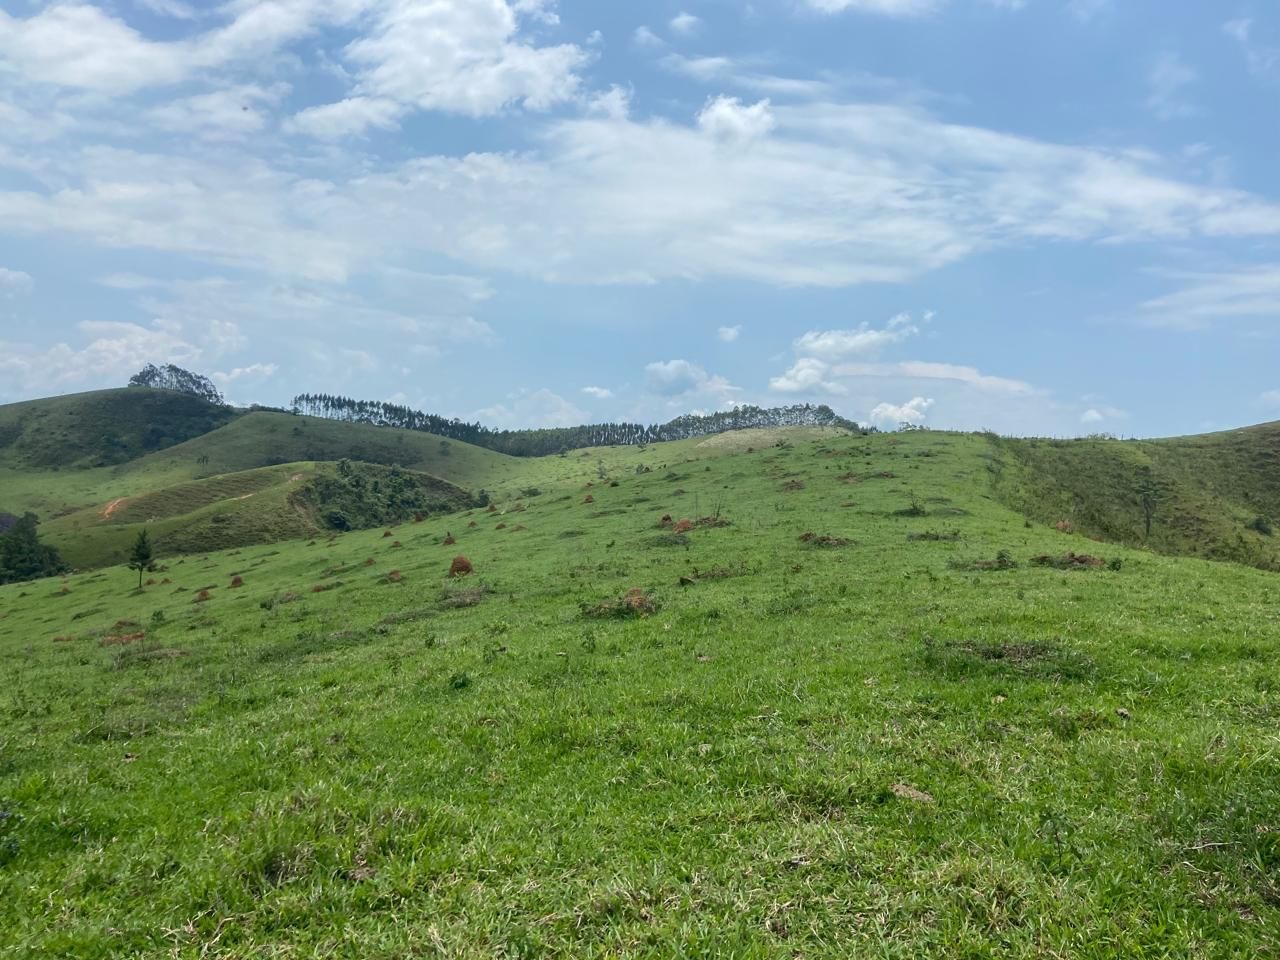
x,y
1033,216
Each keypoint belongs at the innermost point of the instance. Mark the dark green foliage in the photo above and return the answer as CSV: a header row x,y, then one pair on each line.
x,y
1262,525
104,428
360,495
178,380
24,557
140,556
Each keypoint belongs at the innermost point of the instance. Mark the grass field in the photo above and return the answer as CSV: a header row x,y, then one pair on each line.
x,y
853,720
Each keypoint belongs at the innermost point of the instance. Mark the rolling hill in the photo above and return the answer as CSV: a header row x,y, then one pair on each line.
x,y
1214,495
845,702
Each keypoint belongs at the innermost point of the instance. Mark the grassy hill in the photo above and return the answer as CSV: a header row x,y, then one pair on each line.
x,y
1215,493
861,709
102,428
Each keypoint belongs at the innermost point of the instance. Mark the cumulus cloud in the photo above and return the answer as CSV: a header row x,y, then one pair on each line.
x,y
728,118
112,351
256,371
540,408
729,334
807,375
644,37
15,282
860,341
599,393
685,23
464,56
677,378
890,415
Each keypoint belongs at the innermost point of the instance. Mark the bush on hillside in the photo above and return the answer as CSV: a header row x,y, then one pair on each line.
x,y
24,557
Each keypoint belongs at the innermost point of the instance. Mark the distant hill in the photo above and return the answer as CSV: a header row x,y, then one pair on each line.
x,y
1214,495
103,428
267,505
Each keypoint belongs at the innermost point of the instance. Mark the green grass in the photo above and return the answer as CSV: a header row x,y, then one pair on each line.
x,y
1212,490
266,505
101,428
811,749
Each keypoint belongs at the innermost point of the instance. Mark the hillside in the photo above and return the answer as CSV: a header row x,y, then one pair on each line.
x,y
860,709
260,506
1214,495
102,428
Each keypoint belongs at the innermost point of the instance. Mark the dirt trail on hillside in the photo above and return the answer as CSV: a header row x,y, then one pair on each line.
x,y
112,507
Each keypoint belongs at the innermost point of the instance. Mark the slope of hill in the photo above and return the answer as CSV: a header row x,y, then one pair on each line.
x,y
102,428
266,505
849,716
1213,495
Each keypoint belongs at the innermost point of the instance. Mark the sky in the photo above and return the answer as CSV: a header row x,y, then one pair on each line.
x,y
1055,217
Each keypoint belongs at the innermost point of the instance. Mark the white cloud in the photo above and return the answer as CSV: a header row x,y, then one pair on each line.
x,y
14,282
676,378
1205,298
351,117
614,103
807,375
1092,416
891,415
861,341
168,8
80,46
1262,60
889,8
685,23
222,115
599,393
1167,83
114,351
541,408
835,195
737,73
644,37
729,334
902,8
256,371
728,118
929,370
461,56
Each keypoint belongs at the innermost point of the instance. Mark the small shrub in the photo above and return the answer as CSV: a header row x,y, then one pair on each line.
x,y
201,597
237,581
1262,525
634,603
461,567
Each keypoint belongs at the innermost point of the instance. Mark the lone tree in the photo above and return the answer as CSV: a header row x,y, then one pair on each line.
x,y
140,557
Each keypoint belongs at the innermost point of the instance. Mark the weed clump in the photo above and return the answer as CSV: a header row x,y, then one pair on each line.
x,y
1003,561
237,581
201,597
634,603
1068,561
823,542
461,567
934,536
